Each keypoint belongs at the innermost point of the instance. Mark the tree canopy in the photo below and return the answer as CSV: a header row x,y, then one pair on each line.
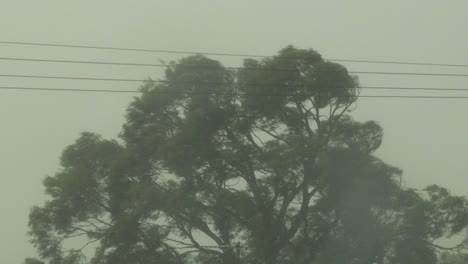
x,y
260,165
453,258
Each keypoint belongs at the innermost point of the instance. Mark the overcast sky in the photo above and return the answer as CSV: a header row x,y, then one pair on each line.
x,y
427,138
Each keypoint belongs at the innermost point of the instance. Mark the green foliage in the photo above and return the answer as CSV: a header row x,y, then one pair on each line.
x,y
262,165
32,261
453,258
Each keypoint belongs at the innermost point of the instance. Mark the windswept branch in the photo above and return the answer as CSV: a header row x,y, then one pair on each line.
x,y
460,246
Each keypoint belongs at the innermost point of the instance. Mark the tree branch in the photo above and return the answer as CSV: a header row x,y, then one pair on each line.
x,y
100,221
288,200
88,243
195,244
305,118
460,246
303,210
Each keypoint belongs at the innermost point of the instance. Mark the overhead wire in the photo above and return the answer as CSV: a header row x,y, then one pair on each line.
x,y
219,54
235,68
214,93
211,53
142,80
362,87
217,83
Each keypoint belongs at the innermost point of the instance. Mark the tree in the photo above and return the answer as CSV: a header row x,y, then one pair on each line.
x,y
454,258
261,165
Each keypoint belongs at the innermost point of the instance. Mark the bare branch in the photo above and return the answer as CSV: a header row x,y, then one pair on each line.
x,y
271,134
181,242
86,231
71,236
460,246
195,244
302,211
252,141
88,243
96,226
305,118
288,200
100,221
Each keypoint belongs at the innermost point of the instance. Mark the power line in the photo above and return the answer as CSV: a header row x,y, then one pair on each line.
x,y
220,83
252,94
73,78
411,73
190,82
138,64
413,96
86,62
130,49
412,88
235,68
67,90
135,91
263,84
402,63
217,54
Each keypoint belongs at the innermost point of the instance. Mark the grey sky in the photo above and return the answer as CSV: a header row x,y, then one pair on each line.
x,y
426,138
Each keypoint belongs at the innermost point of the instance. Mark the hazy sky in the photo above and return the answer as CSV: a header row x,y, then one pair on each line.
x,y
427,138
